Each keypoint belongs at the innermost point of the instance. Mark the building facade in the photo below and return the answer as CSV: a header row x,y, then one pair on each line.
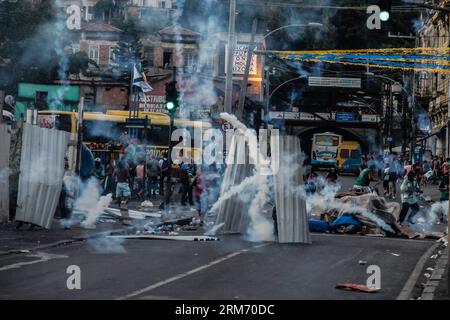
x,y
433,88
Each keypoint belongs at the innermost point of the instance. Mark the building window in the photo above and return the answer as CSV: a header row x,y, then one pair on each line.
x,y
75,47
94,51
150,56
88,13
189,58
40,101
167,62
162,4
112,56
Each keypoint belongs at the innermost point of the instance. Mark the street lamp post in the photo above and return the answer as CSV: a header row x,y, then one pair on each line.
x,y
411,102
267,74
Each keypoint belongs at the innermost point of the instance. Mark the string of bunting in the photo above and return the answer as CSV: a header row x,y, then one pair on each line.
x,y
418,59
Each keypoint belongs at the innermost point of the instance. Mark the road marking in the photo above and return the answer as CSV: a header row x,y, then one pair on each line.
x,y
43,257
188,273
412,280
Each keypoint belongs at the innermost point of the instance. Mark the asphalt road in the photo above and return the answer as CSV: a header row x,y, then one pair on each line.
x,y
228,269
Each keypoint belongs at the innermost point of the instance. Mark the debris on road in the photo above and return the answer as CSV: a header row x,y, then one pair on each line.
x,y
362,262
356,287
214,229
164,237
146,204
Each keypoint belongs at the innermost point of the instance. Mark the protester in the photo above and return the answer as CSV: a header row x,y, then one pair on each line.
x,y
122,174
199,186
152,177
186,182
332,175
171,182
109,184
444,188
163,172
362,182
140,179
386,179
392,185
409,189
99,169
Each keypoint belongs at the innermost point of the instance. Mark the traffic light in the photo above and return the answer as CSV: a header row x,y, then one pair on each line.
x,y
172,97
385,9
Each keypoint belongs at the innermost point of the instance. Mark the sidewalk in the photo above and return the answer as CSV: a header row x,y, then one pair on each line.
x,y
14,240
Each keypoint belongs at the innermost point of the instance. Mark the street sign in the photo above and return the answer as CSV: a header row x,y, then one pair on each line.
x,y
389,139
306,116
292,115
345,116
276,115
334,82
369,118
136,123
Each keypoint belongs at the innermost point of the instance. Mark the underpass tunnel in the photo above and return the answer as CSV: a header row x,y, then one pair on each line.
x,y
306,136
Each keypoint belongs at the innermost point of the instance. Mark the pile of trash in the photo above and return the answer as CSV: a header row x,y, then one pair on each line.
x,y
367,214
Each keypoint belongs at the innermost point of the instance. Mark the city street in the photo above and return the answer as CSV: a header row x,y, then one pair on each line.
x,y
225,150
225,269
231,268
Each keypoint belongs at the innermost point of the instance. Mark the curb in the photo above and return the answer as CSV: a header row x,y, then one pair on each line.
x,y
408,288
436,276
57,243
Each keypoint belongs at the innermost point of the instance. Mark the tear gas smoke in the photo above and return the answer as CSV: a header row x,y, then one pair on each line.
x,y
92,203
105,245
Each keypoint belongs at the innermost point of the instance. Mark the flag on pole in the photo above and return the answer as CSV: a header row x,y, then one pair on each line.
x,y
140,80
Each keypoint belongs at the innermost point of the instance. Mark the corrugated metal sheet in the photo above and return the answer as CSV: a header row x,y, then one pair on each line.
x,y
292,218
5,140
41,174
232,212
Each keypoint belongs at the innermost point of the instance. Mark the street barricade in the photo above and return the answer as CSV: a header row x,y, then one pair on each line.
x,y
41,174
5,140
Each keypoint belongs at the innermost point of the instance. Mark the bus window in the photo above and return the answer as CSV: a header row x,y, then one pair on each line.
x,y
63,122
327,140
102,131
156,135
344,153
355,154
58,121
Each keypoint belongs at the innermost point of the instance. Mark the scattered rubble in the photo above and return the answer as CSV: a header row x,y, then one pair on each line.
x,y
356,287
367,214
168,237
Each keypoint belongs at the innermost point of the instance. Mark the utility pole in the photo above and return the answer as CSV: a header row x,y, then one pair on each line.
x,y
79,136
266,72
2,99
391,111
251,47
229,57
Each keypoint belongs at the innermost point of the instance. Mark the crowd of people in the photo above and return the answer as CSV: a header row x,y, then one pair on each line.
x,y
395,173
134,176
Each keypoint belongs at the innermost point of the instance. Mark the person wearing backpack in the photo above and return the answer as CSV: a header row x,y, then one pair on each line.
x,y
152,177
186,182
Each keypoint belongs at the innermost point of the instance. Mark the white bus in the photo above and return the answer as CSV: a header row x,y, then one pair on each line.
x,y
324,149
